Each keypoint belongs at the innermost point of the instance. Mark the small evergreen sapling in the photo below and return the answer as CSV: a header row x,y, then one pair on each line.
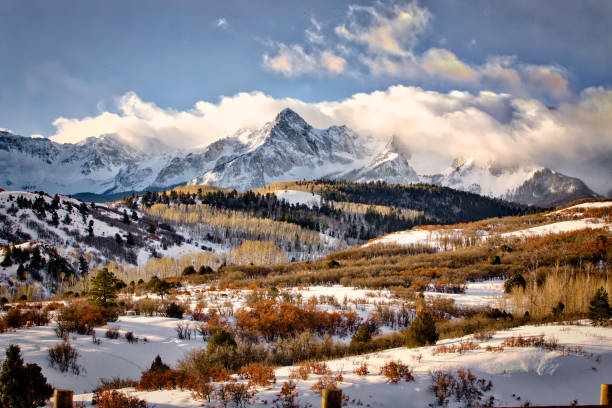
x,y
599,308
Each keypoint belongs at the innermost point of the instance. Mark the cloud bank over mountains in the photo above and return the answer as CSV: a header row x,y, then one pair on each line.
x,y
573,137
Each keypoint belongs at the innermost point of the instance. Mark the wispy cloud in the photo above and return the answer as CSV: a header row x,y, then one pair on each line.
x,y
380,41
222,23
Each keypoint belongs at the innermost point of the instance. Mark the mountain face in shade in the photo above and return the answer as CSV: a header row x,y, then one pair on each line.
x,y
287,148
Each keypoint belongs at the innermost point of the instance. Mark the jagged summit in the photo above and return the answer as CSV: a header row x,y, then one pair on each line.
x,y
285,148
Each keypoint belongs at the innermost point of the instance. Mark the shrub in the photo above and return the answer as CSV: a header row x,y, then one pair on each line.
x,y
15,319
113,384
514,282
82,318
422,331
22,386
202,389
395,371
116,399
362,370
160,380
239,394
189,270
220,338
183,331
112,333
257,374
174,310
64,357
287,396
326,381
465,386
129,336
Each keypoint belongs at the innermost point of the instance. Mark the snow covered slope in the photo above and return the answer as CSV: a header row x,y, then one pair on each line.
x,y
532,185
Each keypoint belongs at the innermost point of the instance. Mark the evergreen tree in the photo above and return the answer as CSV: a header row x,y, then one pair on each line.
x,y
134,215
36,259
422,331
103,288
22,386
130,241
220,338
126,219
90,229
21,272
54,219
67,220
118,238
55,203
83,265
599,308
158,365
159,286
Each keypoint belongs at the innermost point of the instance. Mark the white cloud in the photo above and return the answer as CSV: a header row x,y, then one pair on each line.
x,y
313,33
574,137
293,60
385,29
222,23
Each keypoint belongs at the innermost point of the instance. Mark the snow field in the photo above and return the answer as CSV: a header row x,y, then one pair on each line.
x,y
298,197
535,374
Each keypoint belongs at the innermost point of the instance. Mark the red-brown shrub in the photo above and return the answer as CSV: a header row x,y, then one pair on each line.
x,y
257,374
395,371
115,399
362,370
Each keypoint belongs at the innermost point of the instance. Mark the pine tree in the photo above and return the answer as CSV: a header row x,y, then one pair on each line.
x,y
118,238
22,386
83,265
67,220
158,365
90,229
130,241
21,272
36,259
126,219
422,331
159,286
103,288
54,219
599,308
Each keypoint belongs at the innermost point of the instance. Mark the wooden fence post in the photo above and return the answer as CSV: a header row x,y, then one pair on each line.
x,y
331,398
62,399
606,394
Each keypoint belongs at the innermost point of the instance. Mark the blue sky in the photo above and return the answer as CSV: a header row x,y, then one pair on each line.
x,y
72,69
73,58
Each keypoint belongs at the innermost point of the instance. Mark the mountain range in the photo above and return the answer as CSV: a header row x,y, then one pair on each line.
x,y
287,148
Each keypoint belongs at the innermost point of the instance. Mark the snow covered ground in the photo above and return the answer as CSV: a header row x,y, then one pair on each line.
x,y
536,375
438,238
299,197
559,227
416,236
477,294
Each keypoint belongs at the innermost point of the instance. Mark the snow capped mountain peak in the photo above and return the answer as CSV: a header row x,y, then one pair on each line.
x,y
289,116
286,148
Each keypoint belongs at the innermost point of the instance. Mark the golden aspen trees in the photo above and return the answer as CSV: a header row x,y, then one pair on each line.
x,y
257,253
